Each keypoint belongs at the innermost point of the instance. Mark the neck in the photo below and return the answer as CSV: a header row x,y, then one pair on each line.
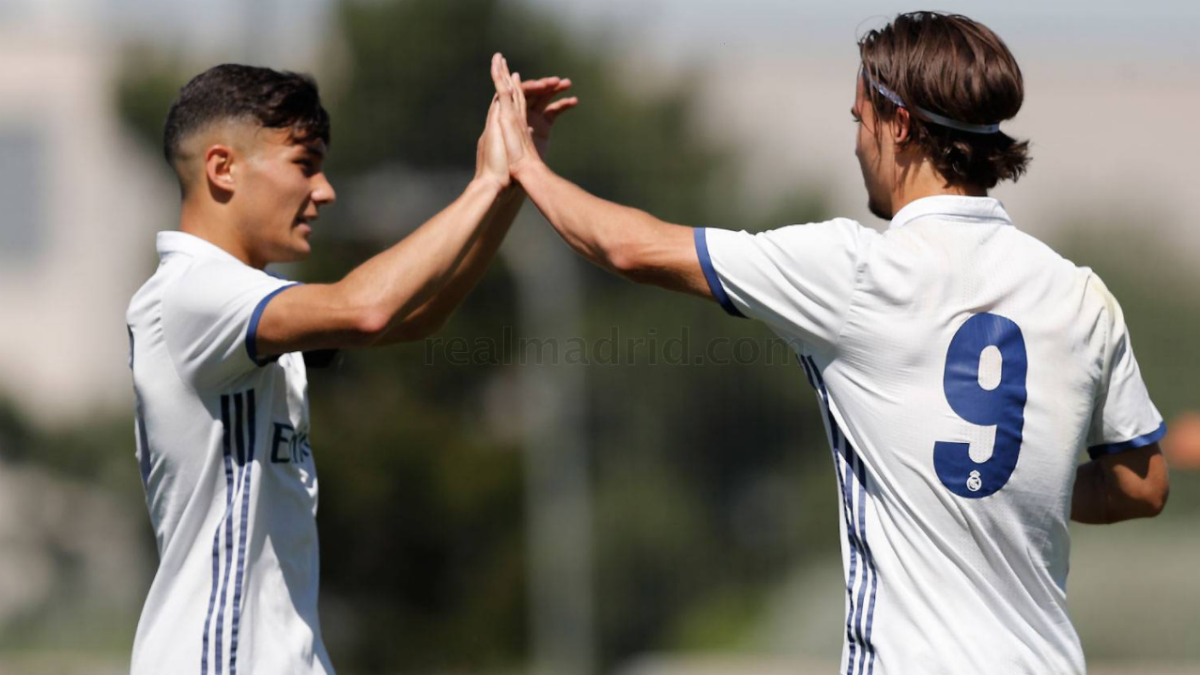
x,y
919,179
200,220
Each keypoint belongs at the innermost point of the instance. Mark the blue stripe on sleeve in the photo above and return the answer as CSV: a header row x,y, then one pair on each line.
x,y
710,275
252,330
1097,451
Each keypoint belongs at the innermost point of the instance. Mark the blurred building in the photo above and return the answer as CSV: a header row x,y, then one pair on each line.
x,y
80,203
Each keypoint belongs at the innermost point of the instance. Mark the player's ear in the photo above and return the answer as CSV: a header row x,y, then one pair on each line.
x,y
218,167
901,125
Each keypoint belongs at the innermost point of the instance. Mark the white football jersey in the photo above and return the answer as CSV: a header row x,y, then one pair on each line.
x,y
222,442
961,367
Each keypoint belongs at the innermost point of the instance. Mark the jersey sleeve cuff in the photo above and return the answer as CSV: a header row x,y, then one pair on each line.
x,y
252,329
710,274
1097,451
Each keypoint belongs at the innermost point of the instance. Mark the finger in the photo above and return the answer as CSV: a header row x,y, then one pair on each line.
x,y
505,71
499,76
535,86
542,92
519,95
559,107
504,92
539,92
512,122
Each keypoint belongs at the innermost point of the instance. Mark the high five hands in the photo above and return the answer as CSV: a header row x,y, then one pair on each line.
x,y
519,122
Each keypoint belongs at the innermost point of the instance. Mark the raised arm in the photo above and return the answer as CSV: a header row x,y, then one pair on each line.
x,y
543,110
1122,486
409,290
623,240
373,300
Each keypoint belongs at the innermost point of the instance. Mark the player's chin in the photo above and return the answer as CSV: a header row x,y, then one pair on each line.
x,y
301,234
297,247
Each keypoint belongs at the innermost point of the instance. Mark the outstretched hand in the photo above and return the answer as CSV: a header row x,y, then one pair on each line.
x,y
491,161
542,109
525,121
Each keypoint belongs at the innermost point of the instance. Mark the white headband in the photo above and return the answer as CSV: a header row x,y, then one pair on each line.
x,y
932,116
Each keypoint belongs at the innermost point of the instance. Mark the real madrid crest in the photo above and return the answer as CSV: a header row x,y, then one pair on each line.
x,y
974,482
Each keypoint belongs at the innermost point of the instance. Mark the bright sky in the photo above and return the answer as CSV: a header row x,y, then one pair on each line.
x,y
1113,29
1161,31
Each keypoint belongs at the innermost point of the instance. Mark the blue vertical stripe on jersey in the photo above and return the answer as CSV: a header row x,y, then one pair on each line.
x,y
847,510
856,534
807,372
216,569
872,573
848,515
239,440
247,484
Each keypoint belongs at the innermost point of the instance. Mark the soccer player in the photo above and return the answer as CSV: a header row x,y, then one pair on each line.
x,y
960,364
217,349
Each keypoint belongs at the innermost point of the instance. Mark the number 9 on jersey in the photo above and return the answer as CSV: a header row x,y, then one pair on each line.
x,y
1002,406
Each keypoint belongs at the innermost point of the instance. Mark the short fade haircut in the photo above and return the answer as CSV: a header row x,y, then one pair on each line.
x,y
232,92
957,68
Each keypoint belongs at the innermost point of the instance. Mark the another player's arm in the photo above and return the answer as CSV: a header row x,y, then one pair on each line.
x,y
429,318
1122,486
623,240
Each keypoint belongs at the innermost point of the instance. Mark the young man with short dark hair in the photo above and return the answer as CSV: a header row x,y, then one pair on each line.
x,y
217,351
960,364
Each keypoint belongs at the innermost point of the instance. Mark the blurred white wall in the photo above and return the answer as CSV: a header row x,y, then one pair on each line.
x,y
1106,146
79,201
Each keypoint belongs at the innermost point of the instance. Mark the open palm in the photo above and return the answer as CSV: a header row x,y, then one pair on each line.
x,y
542,109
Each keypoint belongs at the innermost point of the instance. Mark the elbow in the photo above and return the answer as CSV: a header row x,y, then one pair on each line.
x,y
368,327
625,260
1147,502
375,328
1156,500
1157,487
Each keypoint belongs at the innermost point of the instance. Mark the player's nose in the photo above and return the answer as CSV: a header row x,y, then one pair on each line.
x,y
323,193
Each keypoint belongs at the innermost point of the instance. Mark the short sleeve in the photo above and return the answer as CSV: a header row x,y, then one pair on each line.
x,y
210,320
798,279
1124,418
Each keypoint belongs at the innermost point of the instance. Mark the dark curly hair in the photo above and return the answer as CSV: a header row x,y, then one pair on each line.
x,y
273,99
956,68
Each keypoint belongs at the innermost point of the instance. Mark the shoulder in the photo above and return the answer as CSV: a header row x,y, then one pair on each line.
x,y
205,285
804,240
836,228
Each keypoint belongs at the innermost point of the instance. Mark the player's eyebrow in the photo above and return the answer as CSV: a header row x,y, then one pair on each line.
x,y
316,150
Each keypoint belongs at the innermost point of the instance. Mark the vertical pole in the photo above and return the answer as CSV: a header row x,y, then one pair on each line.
x,y
553,404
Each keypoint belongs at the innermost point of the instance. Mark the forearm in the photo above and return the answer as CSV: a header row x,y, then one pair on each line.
x,y
609,235
429,317
394,283
1113,488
